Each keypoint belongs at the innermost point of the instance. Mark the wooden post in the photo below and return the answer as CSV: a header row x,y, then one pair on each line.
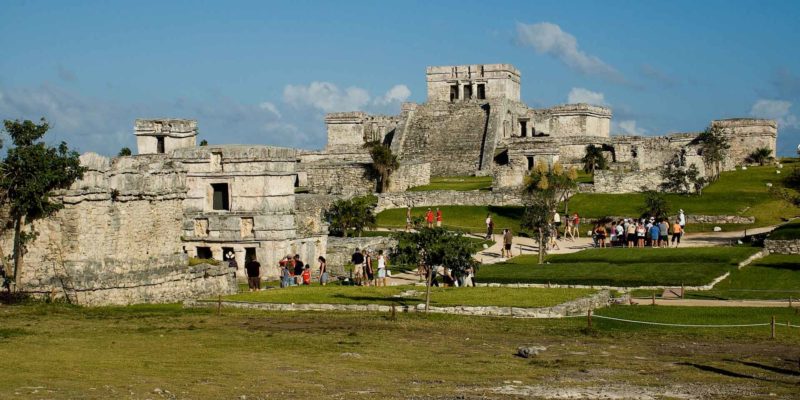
x,y
772,325
654,299
682,290
393,312
219,305
589,318
790,301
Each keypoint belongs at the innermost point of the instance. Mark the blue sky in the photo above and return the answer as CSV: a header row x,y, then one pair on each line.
x,y
267,72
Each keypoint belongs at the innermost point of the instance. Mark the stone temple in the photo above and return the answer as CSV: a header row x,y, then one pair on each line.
x,y
129,226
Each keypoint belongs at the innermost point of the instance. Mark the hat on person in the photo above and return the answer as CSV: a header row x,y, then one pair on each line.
x,y
681,210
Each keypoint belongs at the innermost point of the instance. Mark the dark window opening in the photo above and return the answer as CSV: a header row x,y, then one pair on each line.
x,y
467,92
481,91
296,181
453,92
502,158
530,162
249,254
204,253
533,131
523,128
160,145
634,153
220,199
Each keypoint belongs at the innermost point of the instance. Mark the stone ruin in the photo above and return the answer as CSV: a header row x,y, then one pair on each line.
x,y
130,225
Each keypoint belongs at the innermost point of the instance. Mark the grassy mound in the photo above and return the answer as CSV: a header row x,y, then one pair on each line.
x,y
790,231
621,267
456,183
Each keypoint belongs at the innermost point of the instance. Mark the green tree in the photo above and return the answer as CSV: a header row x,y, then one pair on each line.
x,y
544,189
351,215
383,163
29,174
594,159
655,205
204,142
434,247
682,180
713,148
760,156
125,151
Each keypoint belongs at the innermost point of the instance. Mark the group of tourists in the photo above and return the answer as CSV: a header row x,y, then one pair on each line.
x,y
364,268
293,271
645,232
430,218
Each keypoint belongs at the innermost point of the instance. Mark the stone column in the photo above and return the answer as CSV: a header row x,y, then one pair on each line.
x,y
474,87
216,253
460,91
239,255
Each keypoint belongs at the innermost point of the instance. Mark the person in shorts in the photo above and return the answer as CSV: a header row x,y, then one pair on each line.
x,y
323,271
369,273
508,239
438,218
663,229
358,266
677,232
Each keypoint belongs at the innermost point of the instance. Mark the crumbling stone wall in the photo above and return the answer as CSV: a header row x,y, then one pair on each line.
x,y
410,175
626,182
448,197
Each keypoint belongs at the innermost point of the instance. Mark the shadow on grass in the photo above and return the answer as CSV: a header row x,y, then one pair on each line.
x,y
724,372
400,301
782,265
770,368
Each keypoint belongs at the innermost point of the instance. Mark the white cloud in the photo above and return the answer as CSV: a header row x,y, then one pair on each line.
x,y
267,106
548,38
66,74
628,127
777,110
581,95
326,96
398,93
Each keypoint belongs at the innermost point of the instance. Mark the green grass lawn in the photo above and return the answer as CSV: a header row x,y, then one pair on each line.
x,y
481,296
790,231
456,183
620,267
465,218
696,316
63,352
773,277
736,193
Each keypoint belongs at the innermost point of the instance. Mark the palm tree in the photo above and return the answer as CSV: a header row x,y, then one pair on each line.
x,y
594,159
383,163
761,156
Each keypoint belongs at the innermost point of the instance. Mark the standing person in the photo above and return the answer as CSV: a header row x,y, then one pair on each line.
x,y
232,264
655,234
358,266
287,268
682,220
381,269
663,229
640,234
576,224
508,240
631,233
438,217
369,273
323,271
677,232
570,231
601,234
429,218
299,267
408,220
613,233
489,226
307,275
253,270
557,223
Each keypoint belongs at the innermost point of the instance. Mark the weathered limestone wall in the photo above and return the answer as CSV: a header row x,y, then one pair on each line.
x,y
782,246
579,120
348,131
410,175
118,238
176,133
449,136
501,81
448,197
746,135
608,181
309,213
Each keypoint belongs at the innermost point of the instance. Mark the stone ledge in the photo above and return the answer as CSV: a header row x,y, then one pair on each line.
x,y
571,308
782,246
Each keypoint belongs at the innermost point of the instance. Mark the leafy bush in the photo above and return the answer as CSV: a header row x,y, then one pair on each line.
x,y
351,215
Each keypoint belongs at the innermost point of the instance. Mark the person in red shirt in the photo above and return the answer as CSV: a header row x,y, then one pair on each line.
x,y
438,218
307,275
429,218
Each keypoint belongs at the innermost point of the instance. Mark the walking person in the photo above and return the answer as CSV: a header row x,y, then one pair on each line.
x,y
682,220
508,240
253,270
323,271
489,226
576,224
369,273
569,233
677,232
557,223
382,278
429,218
438,217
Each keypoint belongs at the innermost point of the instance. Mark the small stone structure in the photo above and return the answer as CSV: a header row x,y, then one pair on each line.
x,y
782,246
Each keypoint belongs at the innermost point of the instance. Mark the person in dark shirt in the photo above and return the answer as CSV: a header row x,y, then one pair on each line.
x,y
358,266
253,269
298,269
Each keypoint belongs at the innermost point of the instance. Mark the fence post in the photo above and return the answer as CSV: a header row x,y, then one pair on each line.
x,y
790,301
219,305
654,299
682,290
772,325
589,317
393,312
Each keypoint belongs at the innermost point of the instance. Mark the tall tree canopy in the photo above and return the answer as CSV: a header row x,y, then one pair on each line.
x,y
351,216
714,148
545,188
594,159
29,174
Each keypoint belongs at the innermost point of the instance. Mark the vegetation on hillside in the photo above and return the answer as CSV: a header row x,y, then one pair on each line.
x,y
350,217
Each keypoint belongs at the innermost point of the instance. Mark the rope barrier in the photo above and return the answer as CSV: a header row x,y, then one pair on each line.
x,y
679,325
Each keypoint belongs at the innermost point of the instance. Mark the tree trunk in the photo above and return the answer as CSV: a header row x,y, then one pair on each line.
x,y
541,246
17,251
428,289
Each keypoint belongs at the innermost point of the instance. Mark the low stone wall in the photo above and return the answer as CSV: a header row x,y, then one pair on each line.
x,y
448,197
782,246
694,219
575,307
341,249
410,175
608,181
